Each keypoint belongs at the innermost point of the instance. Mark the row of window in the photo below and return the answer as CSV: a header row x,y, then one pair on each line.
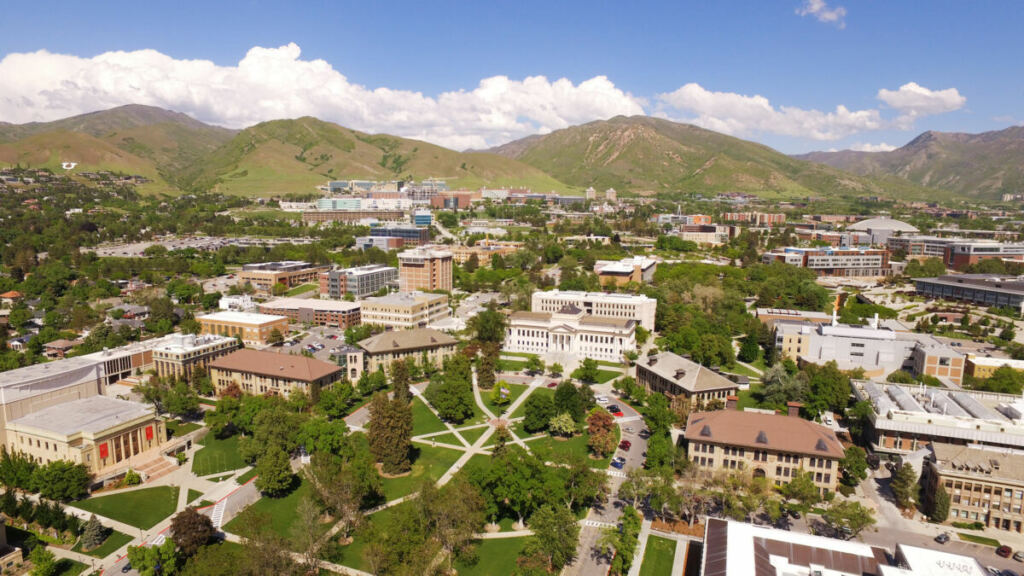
x,y
955,487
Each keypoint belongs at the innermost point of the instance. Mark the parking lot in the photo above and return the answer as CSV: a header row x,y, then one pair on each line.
x,y
326,341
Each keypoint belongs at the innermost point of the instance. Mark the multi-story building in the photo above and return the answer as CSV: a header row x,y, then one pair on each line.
x,y
707,234
422,217
384,243
834,261
421,345
252,328
425,269
981,289
336,313
686,383
921,246
365,203
412,235
404,310
771,446
984,485
180,354
265,275
261,372
599,304
960,255
984,366
484,251
755,218
360,281
639,269
570,331
321,216
770,316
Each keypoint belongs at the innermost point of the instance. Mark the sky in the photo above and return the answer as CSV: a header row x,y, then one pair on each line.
x,y
796,75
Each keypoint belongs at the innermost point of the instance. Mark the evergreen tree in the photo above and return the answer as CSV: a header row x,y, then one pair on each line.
x,y
940,506
904,485
94,533
400,381
390,433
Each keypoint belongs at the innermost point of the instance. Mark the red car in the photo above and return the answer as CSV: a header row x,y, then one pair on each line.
x,y
1004,551
552,384
625,445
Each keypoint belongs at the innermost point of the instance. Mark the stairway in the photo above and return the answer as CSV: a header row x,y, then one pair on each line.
x,y
218,513
156,468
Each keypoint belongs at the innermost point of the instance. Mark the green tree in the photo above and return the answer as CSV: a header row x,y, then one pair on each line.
x,y
279,289
904,485
658,415
535,365
587,371
568,400
802,489
390,433
539,409
44,563
562,425
488,325
322,435
940,505
181,399
191,530
334,402
154,560
627,541
62,480
501,395
557,369
854,466
94,533
850,516
750,348
274,472
1004,379
275,338
400,380
555,533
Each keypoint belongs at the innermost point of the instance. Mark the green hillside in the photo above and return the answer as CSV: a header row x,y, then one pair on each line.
x,y
643,154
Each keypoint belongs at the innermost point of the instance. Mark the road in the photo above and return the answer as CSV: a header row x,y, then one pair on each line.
x,y
444,231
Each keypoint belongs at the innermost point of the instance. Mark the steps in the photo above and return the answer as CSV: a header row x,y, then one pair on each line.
x,y
217,516
156,468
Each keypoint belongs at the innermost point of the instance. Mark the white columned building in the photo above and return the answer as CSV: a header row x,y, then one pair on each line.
x,y
570,331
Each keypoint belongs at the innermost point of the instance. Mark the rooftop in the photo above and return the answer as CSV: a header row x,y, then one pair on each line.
x,y
763,431
241,317
405,298
882,223
1001,282
266,363
688,374
399,340
187,342
311,303
624,266
580,295
91,415
1007,465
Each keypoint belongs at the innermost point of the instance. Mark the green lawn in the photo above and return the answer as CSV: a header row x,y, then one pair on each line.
x,y
473,434
204,504
352,554
140,508
510,365
448,438
979,539
176,428
430,462
750,398
242,479
606,375
279,511
658,557
114,541
193,494
217,455
546,448
521,410
612,364
514,391
423,420
526,355
68,567
495,557
302,289
741,370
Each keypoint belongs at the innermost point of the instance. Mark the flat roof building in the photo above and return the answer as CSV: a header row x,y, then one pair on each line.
x,y
570,331
981,289
405,309
984,485
360,281
264,276
336,313
179,354
412,235
858,262
639,269
425,269
599,304
252,328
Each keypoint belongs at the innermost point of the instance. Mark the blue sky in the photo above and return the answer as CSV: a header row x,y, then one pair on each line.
x,y
416,69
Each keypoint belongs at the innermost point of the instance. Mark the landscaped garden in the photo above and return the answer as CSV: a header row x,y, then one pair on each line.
x,y
495,557
114,541
428,462
659,557
142,508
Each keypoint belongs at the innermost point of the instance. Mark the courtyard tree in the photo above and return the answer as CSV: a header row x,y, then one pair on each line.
x,y
390,433
191,530
849,517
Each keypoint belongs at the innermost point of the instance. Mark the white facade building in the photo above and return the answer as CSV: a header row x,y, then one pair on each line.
x,y
570,331
599,304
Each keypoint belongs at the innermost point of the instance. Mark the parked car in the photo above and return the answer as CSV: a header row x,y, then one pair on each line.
x,y
628,429
1004,551
126,568
1009,572
625,445
645,433
942,538
552,384
602,399
1019,556
618,464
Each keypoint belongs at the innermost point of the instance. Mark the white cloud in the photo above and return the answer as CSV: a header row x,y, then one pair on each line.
x,y
868,147
271,83
822,13
743,115
913,101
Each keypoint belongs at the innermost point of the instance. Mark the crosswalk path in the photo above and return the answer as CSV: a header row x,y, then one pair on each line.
x,y
160,538
628,419
616,473
598,524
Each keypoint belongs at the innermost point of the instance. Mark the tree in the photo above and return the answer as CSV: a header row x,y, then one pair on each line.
x,y
488,325
334,402
274,472
1004,379
454,514
802,489
658,416
44,563
568,400
859,416
181,400
750,348
534,365
322,435
627,541
501,395
279,289
154,560
275,338
904,485
486,366
829,388
562,425
191,530
940,505
305,534
94,533
587,371
557,369
854,466
539,409
451,392
62,480
390,433
848,517
600,429
555,532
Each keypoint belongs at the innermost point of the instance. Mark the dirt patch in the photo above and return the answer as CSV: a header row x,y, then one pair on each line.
x,y
380,470
678,527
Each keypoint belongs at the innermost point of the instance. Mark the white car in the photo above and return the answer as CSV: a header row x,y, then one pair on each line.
x,y
602,399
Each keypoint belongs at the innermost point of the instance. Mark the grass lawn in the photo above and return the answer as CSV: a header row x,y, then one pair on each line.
x,y
68,567
741,370
658,557
302,289
217,455
280,511
606,375
114,541
220,478
521,410
193,494
510,365
473,434
140,508
176,428
979,539
612,364
423,420
494,557
526,355
547,448
448,438
352,554
429,462
246,477
751,397
514,391
204,504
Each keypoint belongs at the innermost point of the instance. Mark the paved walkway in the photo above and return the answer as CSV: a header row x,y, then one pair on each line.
x,y
638,558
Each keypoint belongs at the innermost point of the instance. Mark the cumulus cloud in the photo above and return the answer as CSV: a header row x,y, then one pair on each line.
x,y
743,115
271,83
913,101
822,13
867,147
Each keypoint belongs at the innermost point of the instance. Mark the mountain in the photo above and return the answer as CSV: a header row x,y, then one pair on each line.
x,y
296,155
134,139
982,165
641,153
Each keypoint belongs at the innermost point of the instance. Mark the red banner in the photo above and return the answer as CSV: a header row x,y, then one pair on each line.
x,y
149,432
104,452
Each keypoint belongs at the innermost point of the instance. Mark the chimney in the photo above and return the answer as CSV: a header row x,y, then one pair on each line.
x,y
732,402
793,408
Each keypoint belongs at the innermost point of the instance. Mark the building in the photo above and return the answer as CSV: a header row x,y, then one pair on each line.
x,y
59,348
921,246
570,331
337,313
981,289
686,383
960,255
639,269
907,418
98,432
984,366
383,243
859,262
770,316
882,228
360,281
321,216
878,350
252,328
422,217
984,485
404,310
265,275
421,345
239,303
740,549
179,354
599,304
411,235
484,250
707,234
425,269
261,372
771,446
755,218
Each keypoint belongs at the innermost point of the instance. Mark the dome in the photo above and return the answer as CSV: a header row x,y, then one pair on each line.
x,y
882,223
